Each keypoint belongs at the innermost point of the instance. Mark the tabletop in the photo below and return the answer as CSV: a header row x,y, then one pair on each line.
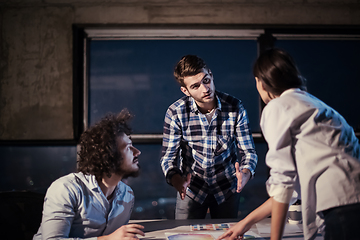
x,y
160,228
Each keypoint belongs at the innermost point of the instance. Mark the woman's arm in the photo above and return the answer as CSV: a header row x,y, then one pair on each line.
x,y
278,217
244,225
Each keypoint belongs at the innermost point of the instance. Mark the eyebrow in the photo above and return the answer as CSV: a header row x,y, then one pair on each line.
x,y
128,143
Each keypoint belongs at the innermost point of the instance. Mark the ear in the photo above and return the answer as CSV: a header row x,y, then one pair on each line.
x,y
185,91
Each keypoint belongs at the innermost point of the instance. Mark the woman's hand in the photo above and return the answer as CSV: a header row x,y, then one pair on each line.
x,y
236,232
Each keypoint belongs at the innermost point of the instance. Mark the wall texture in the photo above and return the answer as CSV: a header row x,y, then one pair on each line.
x,y
36,98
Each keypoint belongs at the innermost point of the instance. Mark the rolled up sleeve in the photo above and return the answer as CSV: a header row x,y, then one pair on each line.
x,y
171,146
245,143
276,127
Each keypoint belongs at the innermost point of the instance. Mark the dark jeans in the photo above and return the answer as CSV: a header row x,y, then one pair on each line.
x,y
342,222
189,209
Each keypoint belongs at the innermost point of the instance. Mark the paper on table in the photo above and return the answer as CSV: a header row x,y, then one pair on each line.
x,y
265,228
189,236
210,227
206,235
247,235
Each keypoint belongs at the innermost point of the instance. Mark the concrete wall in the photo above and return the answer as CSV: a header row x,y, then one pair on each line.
x,y
36,46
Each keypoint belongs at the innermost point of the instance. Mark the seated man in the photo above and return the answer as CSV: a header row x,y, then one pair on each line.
x,y
94,202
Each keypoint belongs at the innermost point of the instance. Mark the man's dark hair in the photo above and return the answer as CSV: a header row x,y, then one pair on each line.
x,y
189,65
278,70
98,153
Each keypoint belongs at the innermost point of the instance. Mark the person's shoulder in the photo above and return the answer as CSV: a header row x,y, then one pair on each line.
x,y
64,188
228,98
69,178
293,98
292,103
229,103
69,181
181,102
180,106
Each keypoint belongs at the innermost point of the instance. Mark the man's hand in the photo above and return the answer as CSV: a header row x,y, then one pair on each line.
x,y
125,232
180,184
242,176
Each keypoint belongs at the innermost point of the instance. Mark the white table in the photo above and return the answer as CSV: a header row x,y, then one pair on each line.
x,y
156,229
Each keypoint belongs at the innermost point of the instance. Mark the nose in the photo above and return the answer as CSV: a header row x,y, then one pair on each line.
x,y
205,87
136,152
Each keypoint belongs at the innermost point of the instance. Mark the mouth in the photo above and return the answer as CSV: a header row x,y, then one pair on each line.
x,y
209,95
136,160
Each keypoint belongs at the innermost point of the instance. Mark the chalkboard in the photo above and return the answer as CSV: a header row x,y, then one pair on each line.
x,y
138,75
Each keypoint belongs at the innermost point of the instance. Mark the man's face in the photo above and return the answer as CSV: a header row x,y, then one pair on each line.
x,y
129,154
200,87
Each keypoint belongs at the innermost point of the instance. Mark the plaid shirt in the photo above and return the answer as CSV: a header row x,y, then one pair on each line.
x,y
207,150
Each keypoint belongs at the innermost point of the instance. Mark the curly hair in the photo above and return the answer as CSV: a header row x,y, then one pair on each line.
x,y
98,154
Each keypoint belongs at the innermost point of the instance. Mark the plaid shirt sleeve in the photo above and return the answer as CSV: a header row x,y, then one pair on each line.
x,y
171,145
247,154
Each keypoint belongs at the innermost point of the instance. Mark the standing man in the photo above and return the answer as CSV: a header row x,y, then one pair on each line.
x,y
208,132
94,203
